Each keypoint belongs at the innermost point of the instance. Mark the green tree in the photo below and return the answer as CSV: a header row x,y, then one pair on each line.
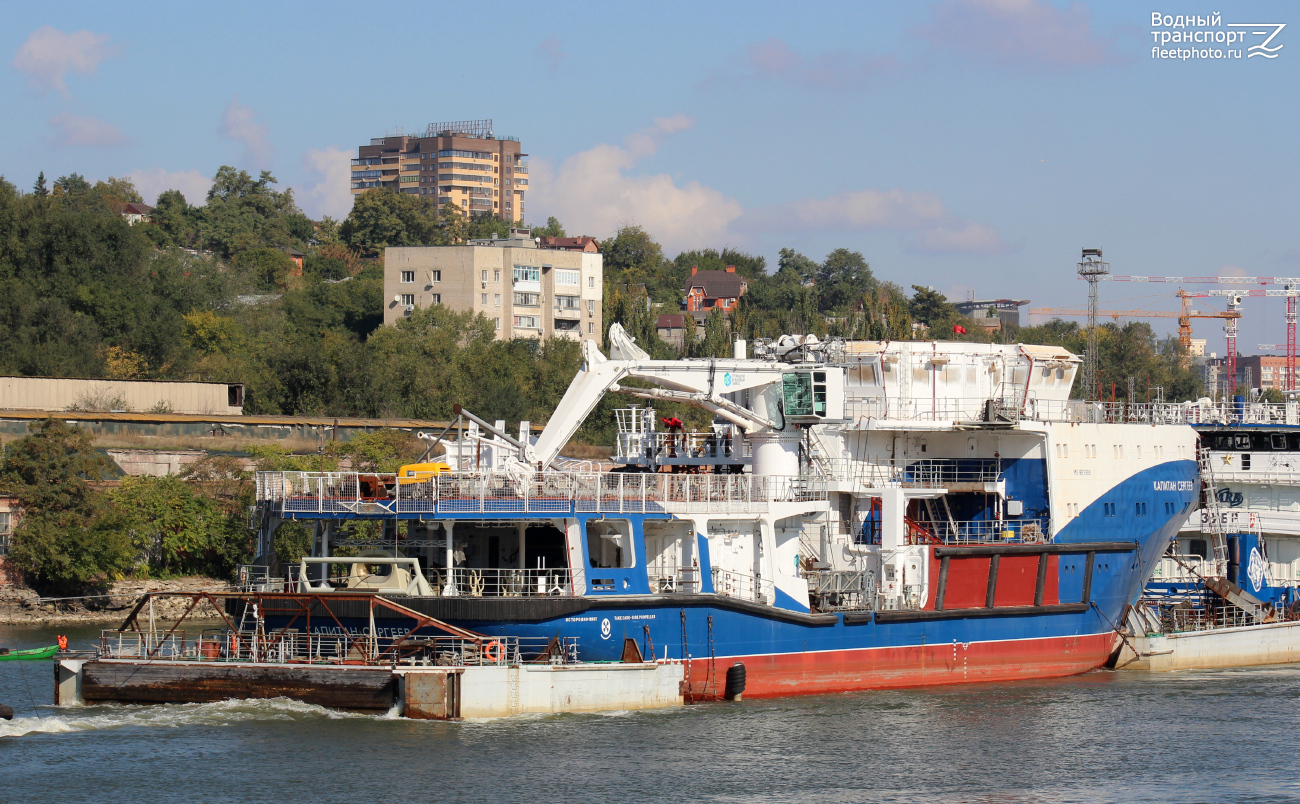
x,y
59,541
632,256
174,218
269,267
180,530
245,213
71,186
842,279
382,218
553,228
932,308
39,189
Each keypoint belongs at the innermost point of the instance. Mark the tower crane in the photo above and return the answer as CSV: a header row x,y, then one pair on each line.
x,y
1184,316
1290,290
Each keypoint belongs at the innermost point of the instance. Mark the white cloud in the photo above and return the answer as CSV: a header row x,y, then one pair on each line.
x,y
922,214
151,182
961,238
332,195
1033,32
85,132
237,124
592,193
49,54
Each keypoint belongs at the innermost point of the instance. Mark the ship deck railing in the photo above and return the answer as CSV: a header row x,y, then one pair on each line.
x,y
742,586
666,446
964,531
1185,569
991,531
294,647
668,580
966,410
929,473
498,493
503,582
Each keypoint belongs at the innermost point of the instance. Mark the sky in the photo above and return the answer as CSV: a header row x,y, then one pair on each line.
x,y
974,146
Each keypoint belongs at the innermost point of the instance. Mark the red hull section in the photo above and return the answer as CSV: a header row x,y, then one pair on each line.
x,y
783,675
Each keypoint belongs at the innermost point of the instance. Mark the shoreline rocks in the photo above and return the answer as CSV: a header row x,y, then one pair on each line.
x,y
20,605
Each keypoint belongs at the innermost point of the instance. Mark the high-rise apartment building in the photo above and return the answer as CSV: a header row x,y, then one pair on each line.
x,y
463,162
524,288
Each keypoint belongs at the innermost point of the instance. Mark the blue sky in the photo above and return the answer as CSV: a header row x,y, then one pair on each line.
x,y
972,145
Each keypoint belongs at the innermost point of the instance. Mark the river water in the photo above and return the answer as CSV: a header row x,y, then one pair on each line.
x,y
1194,736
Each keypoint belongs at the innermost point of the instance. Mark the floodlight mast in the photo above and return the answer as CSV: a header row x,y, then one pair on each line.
x,y
1091,268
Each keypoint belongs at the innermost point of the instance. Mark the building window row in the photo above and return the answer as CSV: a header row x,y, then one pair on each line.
x,y
465,154
528,299
527,322
464,166
525,273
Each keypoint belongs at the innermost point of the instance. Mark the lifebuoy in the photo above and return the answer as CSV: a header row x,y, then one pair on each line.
x,y
492,651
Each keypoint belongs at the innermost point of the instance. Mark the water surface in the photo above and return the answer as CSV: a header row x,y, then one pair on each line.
x,y
1192,736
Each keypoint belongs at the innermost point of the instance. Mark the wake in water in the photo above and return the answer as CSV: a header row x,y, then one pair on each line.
x,y
220,713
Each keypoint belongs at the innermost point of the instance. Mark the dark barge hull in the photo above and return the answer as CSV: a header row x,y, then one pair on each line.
x,y
362,689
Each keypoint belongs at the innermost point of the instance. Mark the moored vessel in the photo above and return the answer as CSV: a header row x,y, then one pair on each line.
x,y
859,515
1227,594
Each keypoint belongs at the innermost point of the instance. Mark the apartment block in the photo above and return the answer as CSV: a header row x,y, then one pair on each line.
x,y
526,290
463,162
1260,372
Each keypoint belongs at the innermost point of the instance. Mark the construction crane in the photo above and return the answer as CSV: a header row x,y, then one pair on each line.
x,y
1290,290
1184,317
1234,301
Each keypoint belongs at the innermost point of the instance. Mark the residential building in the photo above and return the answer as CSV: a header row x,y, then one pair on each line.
x,y
1197,348
526,290
1260,372
571,243
672,328
10,514
136,213
714,290
463,162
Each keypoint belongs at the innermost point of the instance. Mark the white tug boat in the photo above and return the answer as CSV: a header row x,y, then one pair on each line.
x,y
1228,592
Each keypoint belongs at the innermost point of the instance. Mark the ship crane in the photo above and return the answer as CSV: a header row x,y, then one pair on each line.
x,y
1290,290
708,384
1184,317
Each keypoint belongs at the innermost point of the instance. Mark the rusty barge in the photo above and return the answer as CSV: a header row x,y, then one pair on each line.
x,y
385,668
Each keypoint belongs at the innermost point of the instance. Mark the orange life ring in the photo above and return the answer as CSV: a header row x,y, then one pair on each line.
x,y
493,651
